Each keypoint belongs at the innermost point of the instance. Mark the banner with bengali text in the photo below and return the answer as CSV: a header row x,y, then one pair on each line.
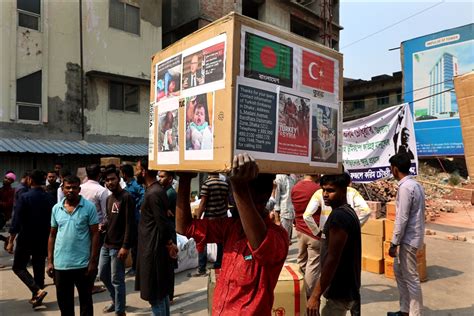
x,y
369,143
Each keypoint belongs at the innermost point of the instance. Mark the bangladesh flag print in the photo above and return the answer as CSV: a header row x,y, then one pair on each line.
x,y
268,61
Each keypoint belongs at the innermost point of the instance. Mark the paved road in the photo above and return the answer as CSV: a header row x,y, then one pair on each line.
x,y
449,290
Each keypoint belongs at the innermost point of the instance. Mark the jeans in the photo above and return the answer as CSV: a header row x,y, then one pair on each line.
x,y
203,259
287,224
160,307
65,281
330,307
20,262
112,273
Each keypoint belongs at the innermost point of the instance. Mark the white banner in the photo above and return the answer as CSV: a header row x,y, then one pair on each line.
x,y
369,143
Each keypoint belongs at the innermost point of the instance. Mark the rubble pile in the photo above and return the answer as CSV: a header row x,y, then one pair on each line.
x,y
381,190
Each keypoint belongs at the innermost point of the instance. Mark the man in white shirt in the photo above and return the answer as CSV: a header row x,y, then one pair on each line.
x,y
91,190
283,204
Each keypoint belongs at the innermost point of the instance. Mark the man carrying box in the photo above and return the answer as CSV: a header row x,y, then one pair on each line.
x,y
255,248
407,236
341,256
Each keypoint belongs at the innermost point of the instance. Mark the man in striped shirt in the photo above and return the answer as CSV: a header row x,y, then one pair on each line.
x,y
214,194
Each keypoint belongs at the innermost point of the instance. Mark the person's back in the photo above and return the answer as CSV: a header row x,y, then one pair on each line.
x,y
346,281
216,191
36,206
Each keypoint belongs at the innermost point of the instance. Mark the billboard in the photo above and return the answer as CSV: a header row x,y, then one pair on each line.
x,y
429,64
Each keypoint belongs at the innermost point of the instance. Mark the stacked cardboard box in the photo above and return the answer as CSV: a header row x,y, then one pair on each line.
x,y
372,246
290,292
389,225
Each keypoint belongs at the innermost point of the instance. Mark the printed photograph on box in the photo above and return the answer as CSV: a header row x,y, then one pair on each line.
x,y
199,126
168,132
204,64
323,134
168,78
268,60
293,124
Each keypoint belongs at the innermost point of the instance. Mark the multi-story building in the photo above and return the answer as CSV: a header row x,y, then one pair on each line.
x,y
46,110
75,75
442,104
317,20
364,97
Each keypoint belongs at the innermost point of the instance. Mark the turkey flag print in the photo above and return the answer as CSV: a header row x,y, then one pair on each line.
x,y
317,72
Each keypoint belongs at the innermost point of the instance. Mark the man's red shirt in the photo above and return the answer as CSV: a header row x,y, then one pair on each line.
x,y
300,196
248,276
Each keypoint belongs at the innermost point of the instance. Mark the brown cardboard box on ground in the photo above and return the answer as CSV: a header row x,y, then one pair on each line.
x,y
372,246
290,292
105,161
373,227
420,254
421,267
465,99
375,207
256,87
374,265
389,225
390,210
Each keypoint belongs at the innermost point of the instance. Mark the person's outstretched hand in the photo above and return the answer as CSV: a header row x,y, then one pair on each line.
x,y
244,169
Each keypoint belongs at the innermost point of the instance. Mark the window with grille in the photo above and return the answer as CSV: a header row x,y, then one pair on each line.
x,y
123,97
383,99
29,14
28,97
124,16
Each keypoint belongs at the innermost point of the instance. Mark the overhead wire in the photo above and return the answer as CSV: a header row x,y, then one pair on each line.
x,y
393,24
418,89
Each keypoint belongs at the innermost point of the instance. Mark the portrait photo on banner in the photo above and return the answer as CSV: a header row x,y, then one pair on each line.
x,y
168,78
199,125
324,133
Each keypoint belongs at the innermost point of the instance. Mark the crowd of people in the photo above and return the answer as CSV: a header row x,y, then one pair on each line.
x,y
77,231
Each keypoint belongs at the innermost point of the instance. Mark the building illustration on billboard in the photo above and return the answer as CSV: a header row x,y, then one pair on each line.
x,y
429,65
442,104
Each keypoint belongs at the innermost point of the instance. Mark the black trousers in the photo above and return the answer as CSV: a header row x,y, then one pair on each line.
x,y
65,282
20,262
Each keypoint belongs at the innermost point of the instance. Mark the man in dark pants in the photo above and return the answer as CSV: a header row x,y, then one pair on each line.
x,y
73,248
119,227
31,222
156,250
341,256
137,191
166,180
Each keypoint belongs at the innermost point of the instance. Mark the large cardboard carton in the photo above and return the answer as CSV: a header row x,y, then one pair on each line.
x,y
374,265
421,267
463,86
105,161
290,292
239,85
391,210
372,246
373,227
389,226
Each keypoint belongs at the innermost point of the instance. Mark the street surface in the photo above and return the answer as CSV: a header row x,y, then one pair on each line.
x,y
448,291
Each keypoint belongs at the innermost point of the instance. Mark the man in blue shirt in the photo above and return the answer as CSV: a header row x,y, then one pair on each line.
x,y
73,248
138,192
408,236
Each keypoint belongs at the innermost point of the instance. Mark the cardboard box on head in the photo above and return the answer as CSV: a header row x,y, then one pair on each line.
x,y
240,85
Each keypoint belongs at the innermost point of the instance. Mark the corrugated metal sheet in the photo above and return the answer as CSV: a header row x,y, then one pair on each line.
x,y
78,147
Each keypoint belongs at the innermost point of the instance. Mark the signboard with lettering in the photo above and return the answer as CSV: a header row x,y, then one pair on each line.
x,y
369,143
429,65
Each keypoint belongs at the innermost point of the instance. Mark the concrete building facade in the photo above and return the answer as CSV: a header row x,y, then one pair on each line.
x,y
40,87
317,20
364,97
